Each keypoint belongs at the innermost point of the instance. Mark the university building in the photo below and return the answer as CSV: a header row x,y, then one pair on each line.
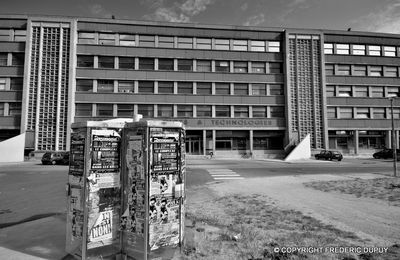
x,y
237,89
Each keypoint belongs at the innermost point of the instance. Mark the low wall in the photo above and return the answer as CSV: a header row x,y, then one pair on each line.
x,y
12,150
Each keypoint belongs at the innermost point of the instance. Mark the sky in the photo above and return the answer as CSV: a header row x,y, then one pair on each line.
x,y
360,15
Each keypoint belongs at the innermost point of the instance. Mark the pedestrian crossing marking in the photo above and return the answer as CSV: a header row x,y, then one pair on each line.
x,y
224,174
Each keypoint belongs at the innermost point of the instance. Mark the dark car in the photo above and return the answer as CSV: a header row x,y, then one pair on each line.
x,y
329,155
386,154
56,158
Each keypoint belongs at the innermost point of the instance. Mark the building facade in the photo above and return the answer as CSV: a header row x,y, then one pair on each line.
x,y
239,90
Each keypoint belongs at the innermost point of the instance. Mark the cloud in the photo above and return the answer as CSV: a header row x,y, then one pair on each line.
x,y
385,20
255,20
181,11
99,11
244,6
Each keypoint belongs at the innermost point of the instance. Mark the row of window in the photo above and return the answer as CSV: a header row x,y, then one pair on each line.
x,y
169,111
362,112
362,91
12,59
361,49
170,87
166,64
15,35
10,108
159,41
361,70
14,84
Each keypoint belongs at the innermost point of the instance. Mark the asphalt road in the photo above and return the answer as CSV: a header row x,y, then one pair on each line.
x,y
31,191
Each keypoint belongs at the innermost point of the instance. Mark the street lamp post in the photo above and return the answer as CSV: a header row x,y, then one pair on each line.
x,y
394,143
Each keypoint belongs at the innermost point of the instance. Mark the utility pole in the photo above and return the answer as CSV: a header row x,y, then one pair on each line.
x,y
394,141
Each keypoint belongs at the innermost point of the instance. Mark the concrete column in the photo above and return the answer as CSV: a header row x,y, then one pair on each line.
x,y
356,141
397,138
214,138
204,142
388,139
251,141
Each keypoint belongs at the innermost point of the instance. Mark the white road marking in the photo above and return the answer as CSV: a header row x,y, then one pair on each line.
x,y
224,174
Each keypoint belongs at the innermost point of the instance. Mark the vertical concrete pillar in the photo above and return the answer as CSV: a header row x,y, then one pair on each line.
x,y
388,139
214,138
356,141
204,142
251,141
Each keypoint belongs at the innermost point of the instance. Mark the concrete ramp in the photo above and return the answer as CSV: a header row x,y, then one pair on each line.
x,y
301,152
12,150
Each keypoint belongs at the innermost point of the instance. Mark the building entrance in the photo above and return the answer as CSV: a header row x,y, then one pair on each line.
x,y
194,142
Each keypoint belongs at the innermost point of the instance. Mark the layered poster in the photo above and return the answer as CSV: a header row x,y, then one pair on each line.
x,y
104,188
165,178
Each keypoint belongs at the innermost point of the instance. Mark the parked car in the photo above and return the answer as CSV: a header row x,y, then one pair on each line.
x,y
329,155
55,158
386,154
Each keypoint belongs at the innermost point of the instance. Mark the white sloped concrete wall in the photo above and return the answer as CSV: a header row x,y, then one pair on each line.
x,y
302,150
12,150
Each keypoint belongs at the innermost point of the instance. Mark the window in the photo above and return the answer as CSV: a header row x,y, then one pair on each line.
x,y
330,91
258,89
105,86
165,64
362,112
18,59
342,49
165,87
126,63
222,89
14,109
204,111
240,66
239,45
106,39
275,67
83,109
203,88
126,86
3,59
127,40
146,41
185,43
84,61
203,65
374,50
379,112
241,111
3,83
5,35
1,109
358,49
203,44
331,112
221,44
390,71
166,111
375,71
146,110
396,113
146,87
222,66
185,88
257,46
259,111
393,91
240,89
389,51
165,42
185,110
329,69
377,91
276,89
185,65
16,84
274,46
222,111
277,112
86,38
361,91
328,48
84,85
343,70
258,67
125,110
345,91
104,110
106,62
359,70
346,112
146,63
19,35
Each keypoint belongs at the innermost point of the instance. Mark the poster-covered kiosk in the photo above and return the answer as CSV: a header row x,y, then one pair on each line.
x,y
126,190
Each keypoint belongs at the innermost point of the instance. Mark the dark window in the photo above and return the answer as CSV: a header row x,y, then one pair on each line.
x,y
240,89
166,111
276,90
127,86
83,109
277,112
104,110
185,88
166,87
146,63
185,65
84,61
222,66
105,86
259,111
106,62
329,69
258,67
203,65
185,111
84,85
222,111
241,111
146,110
275,67
165,64
3,59
146,87
204,111
14,108
222,89
203,88
125,110
259,89
18,59
126,63
240,66
16,84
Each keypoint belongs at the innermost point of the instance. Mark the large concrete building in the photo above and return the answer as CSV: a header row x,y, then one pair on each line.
x,y
237,89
